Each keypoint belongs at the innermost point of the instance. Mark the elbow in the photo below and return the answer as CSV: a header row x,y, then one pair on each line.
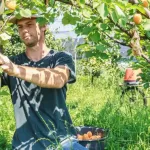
x,y
56,85
59,84
56,82
60,81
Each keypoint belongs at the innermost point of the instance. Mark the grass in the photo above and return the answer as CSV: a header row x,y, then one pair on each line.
x,y
7,124
99,105
95,105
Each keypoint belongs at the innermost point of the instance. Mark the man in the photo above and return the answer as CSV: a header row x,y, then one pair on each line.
x,y
37,81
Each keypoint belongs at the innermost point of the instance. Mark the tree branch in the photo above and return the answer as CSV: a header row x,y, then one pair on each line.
x,y
145,57
46,2
133,1
1,49
116,41
72,3
122,29
66,2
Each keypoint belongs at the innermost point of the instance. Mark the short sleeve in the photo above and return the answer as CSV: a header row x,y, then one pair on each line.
x,y
64,58
3,79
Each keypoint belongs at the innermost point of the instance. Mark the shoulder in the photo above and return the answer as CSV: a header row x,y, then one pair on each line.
x,y
59,54
61,58
17,58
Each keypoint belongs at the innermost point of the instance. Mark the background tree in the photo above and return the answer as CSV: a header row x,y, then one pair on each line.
x,y
105,24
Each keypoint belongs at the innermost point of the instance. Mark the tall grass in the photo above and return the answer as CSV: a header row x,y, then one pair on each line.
x,y
95,105
99,105
7,124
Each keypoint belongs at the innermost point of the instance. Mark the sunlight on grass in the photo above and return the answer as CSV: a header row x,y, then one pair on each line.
x,y
96,105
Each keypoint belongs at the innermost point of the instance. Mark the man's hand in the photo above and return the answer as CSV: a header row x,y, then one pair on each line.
x,y
7,66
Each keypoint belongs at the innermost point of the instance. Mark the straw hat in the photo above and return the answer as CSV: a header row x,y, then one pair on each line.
x,y
14,19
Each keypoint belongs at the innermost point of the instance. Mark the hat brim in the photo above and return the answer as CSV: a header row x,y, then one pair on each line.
x,y
14,19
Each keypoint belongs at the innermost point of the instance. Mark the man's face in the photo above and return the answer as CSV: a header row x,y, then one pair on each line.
x,y
29,31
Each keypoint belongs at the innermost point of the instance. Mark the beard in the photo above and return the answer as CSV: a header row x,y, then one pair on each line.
x,y
30,43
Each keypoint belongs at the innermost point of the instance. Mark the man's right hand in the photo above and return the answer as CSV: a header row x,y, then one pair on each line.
x,y
7,66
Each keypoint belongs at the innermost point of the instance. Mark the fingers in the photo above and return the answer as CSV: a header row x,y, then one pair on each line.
x,y
4,59
4,62
4,67
1,59
1,62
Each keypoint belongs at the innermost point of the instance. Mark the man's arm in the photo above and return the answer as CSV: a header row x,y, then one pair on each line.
x,y
43,77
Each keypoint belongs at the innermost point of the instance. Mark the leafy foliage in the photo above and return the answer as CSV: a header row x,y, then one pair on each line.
x,y
108,24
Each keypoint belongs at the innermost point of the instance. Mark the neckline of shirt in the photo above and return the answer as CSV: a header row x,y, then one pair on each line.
x,y
48,54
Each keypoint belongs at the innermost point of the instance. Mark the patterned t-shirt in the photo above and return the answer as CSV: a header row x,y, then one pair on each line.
x,y
42,118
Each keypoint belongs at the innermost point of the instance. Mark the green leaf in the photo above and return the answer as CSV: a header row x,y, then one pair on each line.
x,y
89,53
136,7
95,4
50,17
95,36
65,20
82,1
9,30
101,47
41,20
52,2
104,26
119,12
122,5
104,56
79,29
122,22
108,1
103,10
141,9
96,53
2,6
114,16
82,46
25,13
18,16
69,19
148,34
1,23
86,12
5,36
87,30
8,11
146,25
4,93
146,85
129,52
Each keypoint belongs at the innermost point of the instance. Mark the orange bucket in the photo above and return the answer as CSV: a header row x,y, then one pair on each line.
x,y
132,75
